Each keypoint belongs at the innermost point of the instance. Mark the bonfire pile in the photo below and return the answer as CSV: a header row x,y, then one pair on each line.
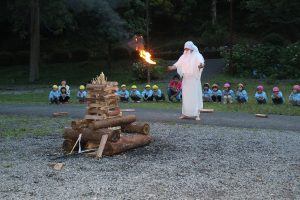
x,y
104,129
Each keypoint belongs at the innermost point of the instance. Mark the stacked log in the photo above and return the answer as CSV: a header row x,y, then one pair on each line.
x,y
103,126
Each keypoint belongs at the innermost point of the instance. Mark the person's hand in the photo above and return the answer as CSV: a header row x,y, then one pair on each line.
x,y
170,68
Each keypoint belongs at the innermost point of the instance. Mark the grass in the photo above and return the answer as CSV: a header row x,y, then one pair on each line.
x,y
15,126
78,73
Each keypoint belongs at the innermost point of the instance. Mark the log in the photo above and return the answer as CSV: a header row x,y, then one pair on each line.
x,y
95,86
141,128
60,114
261,115
118,121
89,135
95,117
116,112
111,89
206,110
125,143
78,124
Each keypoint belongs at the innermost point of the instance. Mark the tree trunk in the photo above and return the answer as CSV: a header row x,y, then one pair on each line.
x,y
34,41
118,121
214,11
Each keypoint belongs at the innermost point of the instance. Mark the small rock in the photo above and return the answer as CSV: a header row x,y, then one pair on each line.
x,y
57,166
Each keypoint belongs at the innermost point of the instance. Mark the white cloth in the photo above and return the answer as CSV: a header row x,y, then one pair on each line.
x,y
187,68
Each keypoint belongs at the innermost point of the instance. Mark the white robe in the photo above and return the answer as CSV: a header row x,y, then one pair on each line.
x,y
187,67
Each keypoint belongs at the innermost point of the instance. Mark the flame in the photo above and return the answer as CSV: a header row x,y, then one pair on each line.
x,y
147,57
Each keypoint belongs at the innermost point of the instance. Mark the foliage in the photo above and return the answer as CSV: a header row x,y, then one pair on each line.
x,y
214,36
265,60
157,71
6,58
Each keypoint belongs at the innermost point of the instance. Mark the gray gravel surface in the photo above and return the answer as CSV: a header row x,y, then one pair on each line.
x,y
234,119
184,161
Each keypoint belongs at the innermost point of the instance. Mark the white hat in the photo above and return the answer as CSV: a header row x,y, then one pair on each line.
x,y
189,45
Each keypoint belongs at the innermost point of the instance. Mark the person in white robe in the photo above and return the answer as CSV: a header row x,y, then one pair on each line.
x,y
190,66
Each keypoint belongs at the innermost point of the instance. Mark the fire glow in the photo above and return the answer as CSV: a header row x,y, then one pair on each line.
x,y
147,57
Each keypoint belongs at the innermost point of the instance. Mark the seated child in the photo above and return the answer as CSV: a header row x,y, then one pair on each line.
x,y
157,94
64,84
241,94
260,95
147,94
216,94
81,94
294,97
63,96
227,94
54,95
277,97
135,95
123,94
206,93
174,89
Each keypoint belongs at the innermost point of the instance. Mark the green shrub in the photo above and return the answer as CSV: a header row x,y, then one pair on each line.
x,y
157,71
6,58
214,36
264,61
274,38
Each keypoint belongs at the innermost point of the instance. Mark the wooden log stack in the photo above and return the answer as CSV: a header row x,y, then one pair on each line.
x,y
104,126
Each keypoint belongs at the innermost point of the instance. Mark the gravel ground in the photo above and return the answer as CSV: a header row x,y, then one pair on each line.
x,y
184,161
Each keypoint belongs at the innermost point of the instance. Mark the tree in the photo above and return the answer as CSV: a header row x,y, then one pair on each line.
x,y
213,12
34,41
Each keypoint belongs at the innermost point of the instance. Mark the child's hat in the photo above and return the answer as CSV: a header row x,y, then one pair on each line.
x,y
81,87
123,85
275,89
54,86
260,87
206,84
215,86
226,85
133,87
154,87
241,85
148,86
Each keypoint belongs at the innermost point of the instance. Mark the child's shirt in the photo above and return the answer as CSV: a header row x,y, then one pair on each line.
x,y
68,91
81,94
207,93
54,94
123,93
149,93
294,96
216,93
242,94
157,93
279,95
228,92
135,93
175,84
261,96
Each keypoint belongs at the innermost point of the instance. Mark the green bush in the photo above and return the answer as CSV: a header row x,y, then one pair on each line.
x,y
274,38
6,58
264,60
214,36
156,71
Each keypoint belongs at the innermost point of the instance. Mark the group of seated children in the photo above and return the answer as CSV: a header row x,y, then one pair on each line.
x,y
152,94
136,96
62,94
227,95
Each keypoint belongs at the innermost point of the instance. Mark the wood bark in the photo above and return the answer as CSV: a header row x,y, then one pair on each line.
x,y
78,124
141,128
89,135
214,11
125,143
34,41
118,121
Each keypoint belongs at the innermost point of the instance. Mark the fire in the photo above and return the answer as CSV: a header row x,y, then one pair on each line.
x,y
147,57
